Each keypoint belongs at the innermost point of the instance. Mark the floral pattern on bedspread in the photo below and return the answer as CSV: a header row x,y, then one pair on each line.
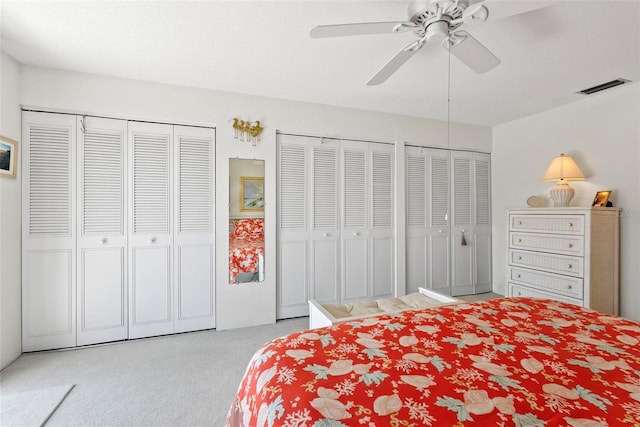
x,y
503,362
244,256
246,245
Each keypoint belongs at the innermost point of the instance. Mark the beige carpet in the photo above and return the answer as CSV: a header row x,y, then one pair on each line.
x,y
31,408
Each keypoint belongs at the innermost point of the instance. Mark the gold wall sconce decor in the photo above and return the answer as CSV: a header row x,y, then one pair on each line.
x,y
246,130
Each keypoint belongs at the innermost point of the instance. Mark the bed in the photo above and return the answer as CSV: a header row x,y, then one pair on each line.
x,y
246,250
502,362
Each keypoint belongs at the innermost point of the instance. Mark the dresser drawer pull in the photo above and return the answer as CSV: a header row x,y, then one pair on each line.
x,y
518,276
570,266
519,222
570,224
570,245
519,258
519,240
569,287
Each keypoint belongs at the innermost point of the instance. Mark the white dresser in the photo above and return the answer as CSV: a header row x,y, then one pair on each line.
x,y
567,254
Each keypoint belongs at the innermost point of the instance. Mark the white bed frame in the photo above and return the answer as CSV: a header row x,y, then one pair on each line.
x,y
320,317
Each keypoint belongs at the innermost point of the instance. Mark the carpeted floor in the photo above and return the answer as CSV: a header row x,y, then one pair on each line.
x,y
178,380
31,408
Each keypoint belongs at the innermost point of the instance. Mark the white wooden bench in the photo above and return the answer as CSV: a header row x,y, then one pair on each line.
x,y
321,315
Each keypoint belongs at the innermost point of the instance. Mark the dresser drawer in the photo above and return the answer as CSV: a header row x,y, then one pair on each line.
x,y
566,285
567,224
562,264
522,291
557,243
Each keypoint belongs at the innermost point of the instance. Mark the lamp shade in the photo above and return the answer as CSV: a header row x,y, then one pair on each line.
x,y
563,168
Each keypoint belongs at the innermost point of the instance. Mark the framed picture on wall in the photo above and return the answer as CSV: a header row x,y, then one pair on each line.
x,y
251,194
601,198
8,157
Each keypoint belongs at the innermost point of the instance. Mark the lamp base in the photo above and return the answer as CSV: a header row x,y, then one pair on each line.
x,y
561,194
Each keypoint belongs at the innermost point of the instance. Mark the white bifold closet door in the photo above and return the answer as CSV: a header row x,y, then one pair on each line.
x,y
171,286
193,233
382,221
102,235
293,244
336,223
471,226
150,229
448,231
427,223
367,233
309,229
324,238
48,231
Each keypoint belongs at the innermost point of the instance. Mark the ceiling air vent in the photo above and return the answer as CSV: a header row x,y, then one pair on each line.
x,y
603,86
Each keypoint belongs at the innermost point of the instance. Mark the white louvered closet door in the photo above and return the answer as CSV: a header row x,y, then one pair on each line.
x,y
102,235
382,241
417,196
194,284
48,231
472,221
482,222
150,229
292,291
355,201
439,231
427,235
325,232
462,214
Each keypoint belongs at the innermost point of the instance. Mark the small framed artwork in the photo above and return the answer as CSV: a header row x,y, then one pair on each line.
x,y
251,194
8,157
601,198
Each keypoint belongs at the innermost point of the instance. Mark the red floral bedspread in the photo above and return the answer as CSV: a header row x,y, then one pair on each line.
x,y
246,246
504,362
244,256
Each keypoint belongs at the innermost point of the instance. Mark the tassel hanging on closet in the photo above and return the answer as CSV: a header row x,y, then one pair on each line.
x,y
463,241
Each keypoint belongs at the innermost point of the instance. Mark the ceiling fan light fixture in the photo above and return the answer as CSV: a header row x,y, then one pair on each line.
x,y
438,30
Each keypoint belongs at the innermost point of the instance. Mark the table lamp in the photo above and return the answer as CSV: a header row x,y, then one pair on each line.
x,y
562,169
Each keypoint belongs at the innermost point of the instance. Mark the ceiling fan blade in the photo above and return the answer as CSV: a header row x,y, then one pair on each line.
x,y
470,51
341,30
499,9
396,62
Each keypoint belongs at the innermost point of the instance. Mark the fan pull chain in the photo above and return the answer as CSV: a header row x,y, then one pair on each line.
x,y
448,94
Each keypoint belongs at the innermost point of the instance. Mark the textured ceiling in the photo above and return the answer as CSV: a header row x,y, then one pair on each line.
x,y
263,48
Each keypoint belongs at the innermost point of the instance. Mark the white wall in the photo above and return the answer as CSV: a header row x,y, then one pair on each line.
x,y
246,304
602,134
10,202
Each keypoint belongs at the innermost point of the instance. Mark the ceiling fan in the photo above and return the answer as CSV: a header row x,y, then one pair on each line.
x,y
432,21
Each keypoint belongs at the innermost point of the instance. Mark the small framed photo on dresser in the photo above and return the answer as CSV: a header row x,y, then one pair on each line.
x,y
601,198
